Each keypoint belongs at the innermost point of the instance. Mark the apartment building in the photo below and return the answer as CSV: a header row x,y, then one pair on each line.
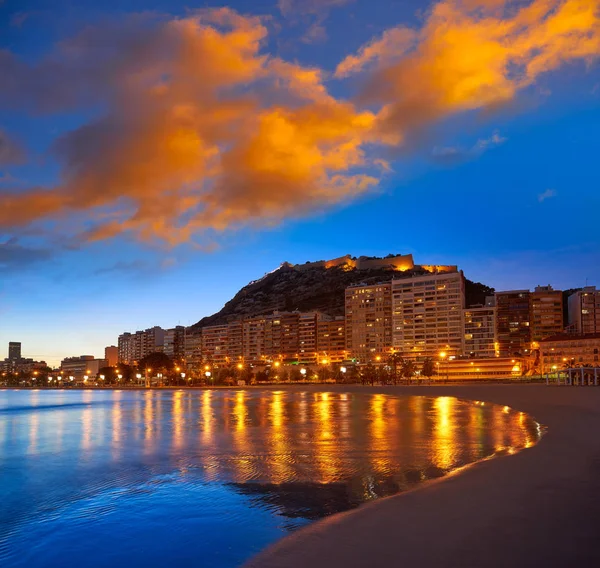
x,y
135,346
193,349
174,343
369,321
480,330
513,329
215,344
428,315
331,339
546,312
584,310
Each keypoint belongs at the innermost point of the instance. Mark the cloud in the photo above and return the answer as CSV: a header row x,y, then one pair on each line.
x,y
548,194
121,267
455,154
470,55
11,152
202,131
14,256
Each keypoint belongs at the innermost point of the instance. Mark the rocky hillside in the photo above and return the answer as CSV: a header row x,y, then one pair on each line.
x,y
318,288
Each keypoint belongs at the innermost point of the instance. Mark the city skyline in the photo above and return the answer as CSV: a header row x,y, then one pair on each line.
x,y
496,185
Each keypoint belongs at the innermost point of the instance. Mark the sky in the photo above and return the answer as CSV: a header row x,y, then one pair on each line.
x,y
157,156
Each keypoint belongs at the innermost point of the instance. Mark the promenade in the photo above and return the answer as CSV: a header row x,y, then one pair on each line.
x,y
538,508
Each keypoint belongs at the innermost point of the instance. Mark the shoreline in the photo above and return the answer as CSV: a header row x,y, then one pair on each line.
x,y
538,507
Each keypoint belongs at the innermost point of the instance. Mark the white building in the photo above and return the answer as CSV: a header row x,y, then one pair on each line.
x,y
428,315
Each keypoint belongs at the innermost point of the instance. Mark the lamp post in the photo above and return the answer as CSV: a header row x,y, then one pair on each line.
x,y
443,356
303,373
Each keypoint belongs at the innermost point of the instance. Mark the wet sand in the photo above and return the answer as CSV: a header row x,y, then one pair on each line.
x,y
537,508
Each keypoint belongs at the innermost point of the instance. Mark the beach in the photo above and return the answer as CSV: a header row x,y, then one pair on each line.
x,y
539,507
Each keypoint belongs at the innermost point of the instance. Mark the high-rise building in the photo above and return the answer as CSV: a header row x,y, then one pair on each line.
x,y
480,330
215,344
369,321
546,307
135,346
14,350
331,339
584,310
111,354
174,343
193,349
513,329
428,315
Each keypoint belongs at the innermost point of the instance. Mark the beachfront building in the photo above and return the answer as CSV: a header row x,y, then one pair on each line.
x,y
480,330
569,350
174,343
369,321
584,310
428,315
513,330
481,369
546,312
331,339
135,346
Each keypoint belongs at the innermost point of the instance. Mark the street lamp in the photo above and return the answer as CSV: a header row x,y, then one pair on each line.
x,y
207,374
303,373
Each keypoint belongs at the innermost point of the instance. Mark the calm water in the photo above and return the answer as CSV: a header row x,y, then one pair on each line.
x,y
152,478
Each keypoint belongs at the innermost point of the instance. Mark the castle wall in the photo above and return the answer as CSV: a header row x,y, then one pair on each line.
x,y
402,262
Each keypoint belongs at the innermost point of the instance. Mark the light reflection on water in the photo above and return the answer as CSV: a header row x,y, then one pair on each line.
x,y
156,477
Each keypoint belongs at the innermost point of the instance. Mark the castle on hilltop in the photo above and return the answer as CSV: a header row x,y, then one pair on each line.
x,y
399,263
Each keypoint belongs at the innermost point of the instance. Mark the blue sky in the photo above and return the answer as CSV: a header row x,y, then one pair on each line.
x,y
507,192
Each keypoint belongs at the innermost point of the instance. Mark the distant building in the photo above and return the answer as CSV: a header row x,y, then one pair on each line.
x,y
111,354
568,350
369,321
546,317
428,315
584,310
135,346
513,329
480,330
14,350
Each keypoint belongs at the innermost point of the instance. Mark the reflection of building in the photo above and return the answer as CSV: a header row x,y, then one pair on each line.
x,y
111,354
562,350
369,320
513,331
79,367
546,305
584,310
490,368
428,313
135,346
480,330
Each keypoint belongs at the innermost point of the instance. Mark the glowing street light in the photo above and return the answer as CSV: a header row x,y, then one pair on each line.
x,y
303,372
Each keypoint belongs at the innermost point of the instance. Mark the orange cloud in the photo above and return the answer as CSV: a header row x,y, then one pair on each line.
x,y
203,133
471,54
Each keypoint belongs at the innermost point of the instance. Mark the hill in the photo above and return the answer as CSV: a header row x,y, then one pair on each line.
x,y
316,286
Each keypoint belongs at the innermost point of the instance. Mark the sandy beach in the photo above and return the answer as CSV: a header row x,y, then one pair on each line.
x,y
540,507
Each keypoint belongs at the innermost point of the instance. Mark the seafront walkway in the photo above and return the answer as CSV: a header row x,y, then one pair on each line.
x,y
537,508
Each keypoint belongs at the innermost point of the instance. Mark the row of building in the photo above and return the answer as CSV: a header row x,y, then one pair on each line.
x,y
415,316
